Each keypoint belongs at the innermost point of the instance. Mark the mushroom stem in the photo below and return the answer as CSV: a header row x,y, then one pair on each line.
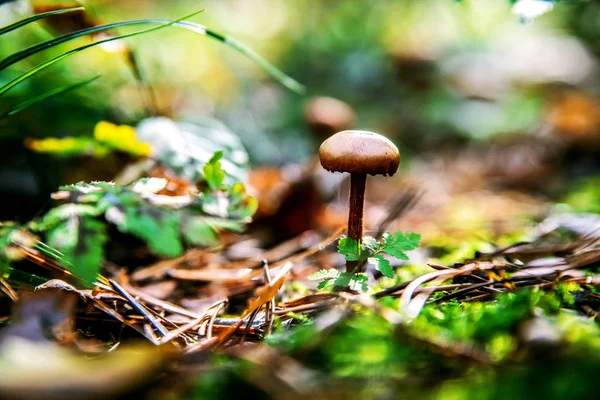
x,y
358,183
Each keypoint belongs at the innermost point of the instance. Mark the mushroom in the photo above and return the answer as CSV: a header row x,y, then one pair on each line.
x,y
359,153
327,115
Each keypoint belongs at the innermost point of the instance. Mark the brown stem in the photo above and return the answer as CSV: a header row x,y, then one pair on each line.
x,y
358,183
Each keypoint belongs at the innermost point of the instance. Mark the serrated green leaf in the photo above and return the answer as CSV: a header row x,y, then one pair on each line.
x,y
395,245
399,254
349,248
403,241
324,274
81,240
394,252
382,265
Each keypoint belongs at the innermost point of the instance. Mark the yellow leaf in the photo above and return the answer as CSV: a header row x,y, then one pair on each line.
x,y
121,137
67,145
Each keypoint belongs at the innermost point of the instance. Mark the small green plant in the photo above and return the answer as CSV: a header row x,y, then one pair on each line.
x,y
76,230
369,251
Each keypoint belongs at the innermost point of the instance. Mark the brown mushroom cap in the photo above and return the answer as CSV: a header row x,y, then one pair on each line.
x,y
359,152
326,115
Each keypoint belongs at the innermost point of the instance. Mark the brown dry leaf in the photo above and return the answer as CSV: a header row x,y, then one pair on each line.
x,y
310,299
267,292
212,274
191,258
175,186
575,116
161,290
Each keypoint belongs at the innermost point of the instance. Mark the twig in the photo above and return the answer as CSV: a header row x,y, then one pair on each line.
x,y
165,305
10,292
140,308
271,305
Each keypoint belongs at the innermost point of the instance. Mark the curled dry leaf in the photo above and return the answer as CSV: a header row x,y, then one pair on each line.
x,y
266,293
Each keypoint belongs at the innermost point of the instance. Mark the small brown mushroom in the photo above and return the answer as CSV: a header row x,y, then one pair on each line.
x,y
359,153
327,115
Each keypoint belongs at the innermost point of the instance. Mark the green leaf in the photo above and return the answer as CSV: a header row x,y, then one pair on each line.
x,y
213,173
343,279
63,212
395,245
159,228
327,283
394,252
45,96
37,17
324,274
224,224
241,205
81,240
357,282
199,232
349,248
382,265
6,240
403,241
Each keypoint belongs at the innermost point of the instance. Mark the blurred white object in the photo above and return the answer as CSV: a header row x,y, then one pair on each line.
x,y
528,10
187,146
516,57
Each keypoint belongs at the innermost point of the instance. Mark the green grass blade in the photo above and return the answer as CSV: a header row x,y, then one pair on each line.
x,y
47,95
36,17
272,70
276,73
69,53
